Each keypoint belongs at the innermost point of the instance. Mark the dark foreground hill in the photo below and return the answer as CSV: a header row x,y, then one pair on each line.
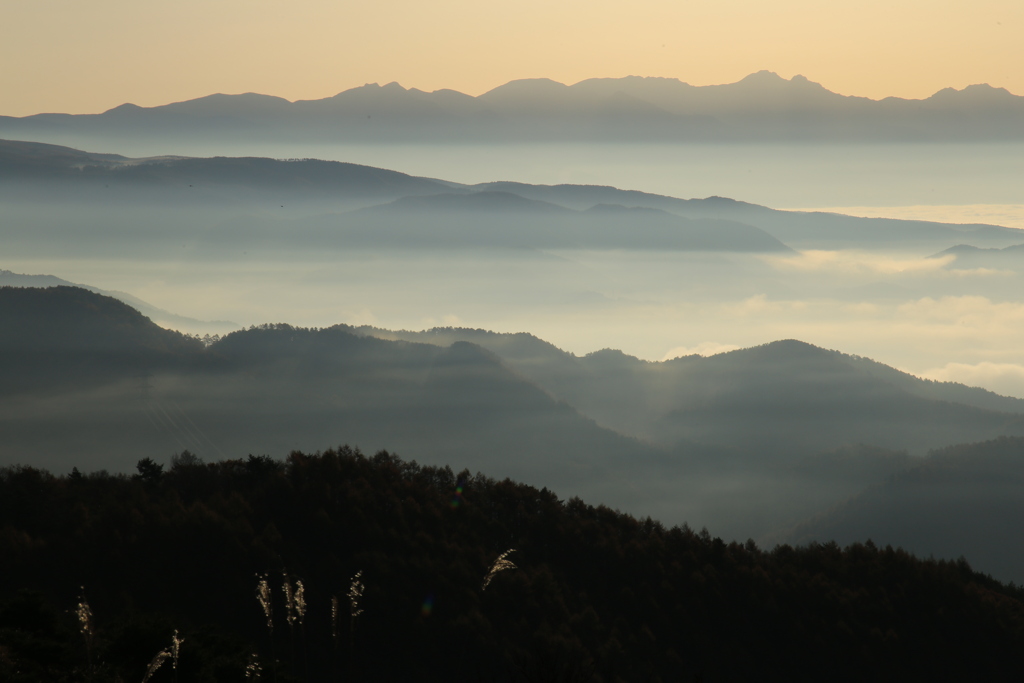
x,y
595,595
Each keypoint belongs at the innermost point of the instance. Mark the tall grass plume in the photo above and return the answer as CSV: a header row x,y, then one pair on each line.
x,y
501,564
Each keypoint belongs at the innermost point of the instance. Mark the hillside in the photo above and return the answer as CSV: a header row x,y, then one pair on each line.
x,y
750,443
965,499
781,399
119,386
71,337
158,315
502,220
595,596
23,162
58,195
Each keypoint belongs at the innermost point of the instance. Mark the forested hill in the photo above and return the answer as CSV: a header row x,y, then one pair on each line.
x,y
119,388
73,337
966,497
595,595
790,397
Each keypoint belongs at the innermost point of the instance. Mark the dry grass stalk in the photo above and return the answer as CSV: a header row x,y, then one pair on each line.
x,y
175,649
300,600
500,565
334,617
295,600
263,595
355,591
84,614
253,670
156,663
289,600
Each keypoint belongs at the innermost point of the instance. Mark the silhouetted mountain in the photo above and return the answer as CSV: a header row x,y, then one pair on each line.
x,y
966,500
760,107
801,229
200,200
158,315
133,387
751,441
588,595
72,337
967,256
258,178
493,219
778,400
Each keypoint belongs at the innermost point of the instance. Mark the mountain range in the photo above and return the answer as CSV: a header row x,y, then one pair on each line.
x,y
761,107
60,196
753,443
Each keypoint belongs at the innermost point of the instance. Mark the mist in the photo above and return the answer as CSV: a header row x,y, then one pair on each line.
x,y
655,324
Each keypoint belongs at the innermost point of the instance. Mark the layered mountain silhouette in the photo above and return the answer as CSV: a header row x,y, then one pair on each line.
x,y
761,107
63,196
492,219
751,442
781,400
93,379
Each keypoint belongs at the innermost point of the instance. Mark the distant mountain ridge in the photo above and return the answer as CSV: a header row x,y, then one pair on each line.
x,y
323,194
762,106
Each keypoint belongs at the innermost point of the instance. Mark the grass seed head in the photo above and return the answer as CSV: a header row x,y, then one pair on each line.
x,y
155,664
500,565
289,600
175,648
355,591
253,670
300,600
84,614
264,597
334,617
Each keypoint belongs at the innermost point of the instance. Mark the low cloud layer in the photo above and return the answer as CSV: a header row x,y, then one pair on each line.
x,y
1002,378
654,306
859,262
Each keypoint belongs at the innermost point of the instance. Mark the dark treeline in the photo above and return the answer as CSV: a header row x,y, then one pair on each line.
x,y
596,596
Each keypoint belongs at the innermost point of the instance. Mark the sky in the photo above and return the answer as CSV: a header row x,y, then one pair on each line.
x,y
77,57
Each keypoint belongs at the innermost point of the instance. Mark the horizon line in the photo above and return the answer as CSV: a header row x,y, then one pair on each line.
x,y
796,77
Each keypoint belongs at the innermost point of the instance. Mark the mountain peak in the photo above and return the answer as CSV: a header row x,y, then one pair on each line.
x,y
764,77
125,108
525,87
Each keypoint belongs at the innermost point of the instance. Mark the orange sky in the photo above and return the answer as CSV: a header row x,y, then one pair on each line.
x,y
79,57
